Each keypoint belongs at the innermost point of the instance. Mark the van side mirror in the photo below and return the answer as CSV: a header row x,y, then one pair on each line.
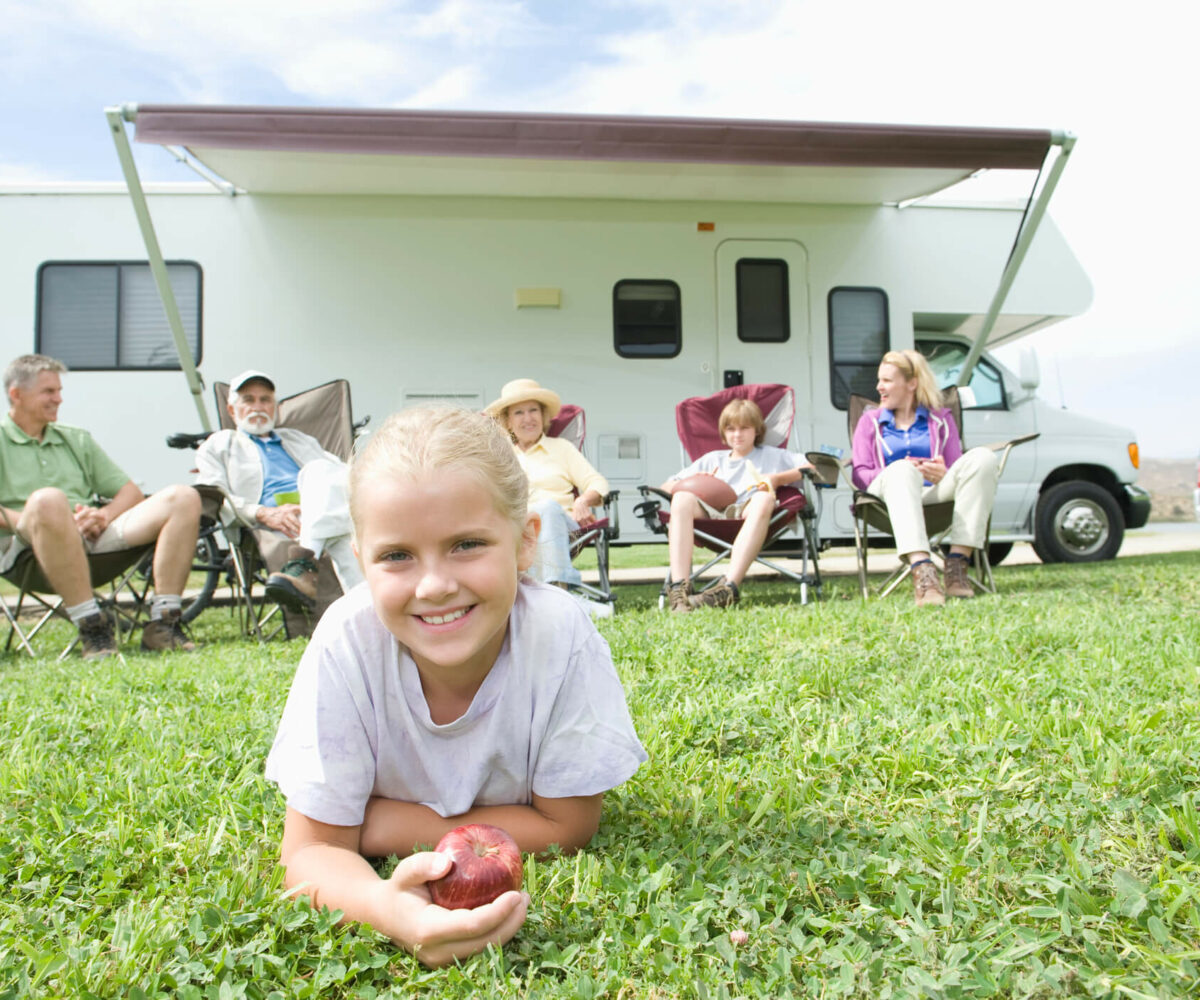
x,y
1031,376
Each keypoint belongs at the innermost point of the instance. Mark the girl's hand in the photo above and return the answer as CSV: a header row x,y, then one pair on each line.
x,y
437,936
933,469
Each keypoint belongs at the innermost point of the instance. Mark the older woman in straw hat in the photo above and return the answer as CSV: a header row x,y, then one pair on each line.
x,y
563,486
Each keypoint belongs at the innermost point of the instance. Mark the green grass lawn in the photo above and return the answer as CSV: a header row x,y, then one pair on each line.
x,y
999,798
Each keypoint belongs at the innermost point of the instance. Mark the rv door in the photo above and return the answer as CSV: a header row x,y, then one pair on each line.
x,y
762,319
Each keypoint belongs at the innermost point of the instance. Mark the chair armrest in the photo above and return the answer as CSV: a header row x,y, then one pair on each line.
x,y
1023,439
648,509
612,511
825,468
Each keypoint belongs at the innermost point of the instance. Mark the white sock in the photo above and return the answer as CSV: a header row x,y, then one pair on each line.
x,y
79,612
164,602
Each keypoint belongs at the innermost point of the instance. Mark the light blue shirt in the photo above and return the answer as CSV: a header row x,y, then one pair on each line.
x,y
280,470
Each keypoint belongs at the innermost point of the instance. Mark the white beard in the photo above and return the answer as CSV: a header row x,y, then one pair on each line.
x,y
256,423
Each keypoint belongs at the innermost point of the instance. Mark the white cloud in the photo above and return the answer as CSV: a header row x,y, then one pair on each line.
x,y
13,172
454,88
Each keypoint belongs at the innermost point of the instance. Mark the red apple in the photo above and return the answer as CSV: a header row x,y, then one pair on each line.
x,y
487,863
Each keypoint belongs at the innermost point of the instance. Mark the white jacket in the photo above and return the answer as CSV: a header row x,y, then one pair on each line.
x,y
230,460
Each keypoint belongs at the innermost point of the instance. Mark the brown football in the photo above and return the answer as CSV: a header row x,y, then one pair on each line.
x,y
715,492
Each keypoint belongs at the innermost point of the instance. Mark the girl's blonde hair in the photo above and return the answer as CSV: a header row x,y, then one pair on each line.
x,y
426,440
912,364
743,413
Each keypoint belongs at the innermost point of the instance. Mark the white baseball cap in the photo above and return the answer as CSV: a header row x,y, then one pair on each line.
x,y
250,375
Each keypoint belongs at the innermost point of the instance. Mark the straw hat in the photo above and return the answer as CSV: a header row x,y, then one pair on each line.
x,y
518,391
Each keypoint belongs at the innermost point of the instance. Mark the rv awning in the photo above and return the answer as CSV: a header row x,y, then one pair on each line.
x,y
353,151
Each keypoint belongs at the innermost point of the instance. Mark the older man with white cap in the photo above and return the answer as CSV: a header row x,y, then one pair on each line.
x,y
281,482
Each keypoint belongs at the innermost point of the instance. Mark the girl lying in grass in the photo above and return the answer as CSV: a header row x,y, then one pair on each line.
x,y
448,690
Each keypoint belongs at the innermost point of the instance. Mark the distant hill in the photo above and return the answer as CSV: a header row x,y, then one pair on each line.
x,y
1170,482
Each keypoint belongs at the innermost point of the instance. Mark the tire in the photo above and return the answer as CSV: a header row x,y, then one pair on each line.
x,y
998,552
210,562
1077,522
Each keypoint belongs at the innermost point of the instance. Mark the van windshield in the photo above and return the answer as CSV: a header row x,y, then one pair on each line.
x,y
946,359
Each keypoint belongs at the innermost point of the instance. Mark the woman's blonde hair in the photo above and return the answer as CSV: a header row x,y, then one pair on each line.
x,y
427,440
743,413
912,364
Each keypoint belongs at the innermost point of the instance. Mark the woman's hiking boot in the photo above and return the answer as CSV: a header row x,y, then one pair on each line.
x,y
957,583
927,588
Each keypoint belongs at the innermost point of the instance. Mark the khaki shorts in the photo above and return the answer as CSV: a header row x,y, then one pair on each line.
x,y
112,540
731,513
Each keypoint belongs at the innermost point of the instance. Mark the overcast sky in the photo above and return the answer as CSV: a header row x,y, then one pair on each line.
x,y
1119,77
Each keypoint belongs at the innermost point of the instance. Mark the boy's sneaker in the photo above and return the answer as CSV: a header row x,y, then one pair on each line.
x,y
957,583
927,588
295,585
721,594
96,637
165,633
678,594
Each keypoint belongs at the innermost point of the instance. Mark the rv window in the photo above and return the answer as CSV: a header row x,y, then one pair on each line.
x,y
96,316
646,319
946,359
858,338
762,301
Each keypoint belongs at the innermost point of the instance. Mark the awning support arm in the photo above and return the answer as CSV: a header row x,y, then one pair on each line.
x,y
117,116
1032,219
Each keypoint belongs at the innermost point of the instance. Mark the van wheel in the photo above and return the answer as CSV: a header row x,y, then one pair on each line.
x,y
1077,522
998,552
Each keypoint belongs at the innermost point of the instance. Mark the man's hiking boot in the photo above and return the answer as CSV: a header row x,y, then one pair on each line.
x,y
721,594
927,588
957,584
96,637
677,595
295,586
165,633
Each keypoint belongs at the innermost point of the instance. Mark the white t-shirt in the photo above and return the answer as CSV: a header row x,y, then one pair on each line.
x,y
550,717
743,473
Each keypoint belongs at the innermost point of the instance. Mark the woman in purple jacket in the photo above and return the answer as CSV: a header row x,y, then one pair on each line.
x,y
907,452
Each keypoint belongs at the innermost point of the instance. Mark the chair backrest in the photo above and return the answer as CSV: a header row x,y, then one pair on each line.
x,y
570,424
323,411
860,404
697,419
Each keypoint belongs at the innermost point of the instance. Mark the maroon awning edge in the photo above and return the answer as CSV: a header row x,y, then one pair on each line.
x,y
590,137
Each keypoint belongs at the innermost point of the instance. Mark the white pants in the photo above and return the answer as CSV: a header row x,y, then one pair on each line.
x,y
970,483
552,564
325,517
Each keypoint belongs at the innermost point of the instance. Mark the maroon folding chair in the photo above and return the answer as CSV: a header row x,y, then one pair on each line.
x,y
571,425
696,421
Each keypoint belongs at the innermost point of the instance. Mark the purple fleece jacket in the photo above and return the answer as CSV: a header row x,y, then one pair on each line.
x,y
866,453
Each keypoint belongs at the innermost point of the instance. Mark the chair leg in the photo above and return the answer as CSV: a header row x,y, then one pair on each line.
x,y
14,629
860,549
602,566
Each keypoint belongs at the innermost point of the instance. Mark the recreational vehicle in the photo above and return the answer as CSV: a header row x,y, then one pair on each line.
x,y
626,262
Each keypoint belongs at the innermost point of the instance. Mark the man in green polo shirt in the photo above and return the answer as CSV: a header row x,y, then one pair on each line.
x,y
50,474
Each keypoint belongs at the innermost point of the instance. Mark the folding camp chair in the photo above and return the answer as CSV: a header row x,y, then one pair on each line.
x,y
120,589
323,411
869,511
696,422
570,424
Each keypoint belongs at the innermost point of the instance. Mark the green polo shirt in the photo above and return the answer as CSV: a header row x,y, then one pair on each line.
x,y
66,457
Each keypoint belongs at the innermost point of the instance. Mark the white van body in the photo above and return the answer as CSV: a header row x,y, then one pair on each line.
x,y
444,296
